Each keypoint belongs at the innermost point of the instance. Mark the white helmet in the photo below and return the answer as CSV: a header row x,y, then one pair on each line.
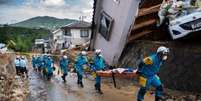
x,y
163,49
23,57
84,53
65,57
18,57
97,51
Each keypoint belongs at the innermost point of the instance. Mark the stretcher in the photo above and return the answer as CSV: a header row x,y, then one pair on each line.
x,y
111,73
119,73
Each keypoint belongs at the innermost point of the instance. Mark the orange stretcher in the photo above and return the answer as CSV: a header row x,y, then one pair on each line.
x,y
116,74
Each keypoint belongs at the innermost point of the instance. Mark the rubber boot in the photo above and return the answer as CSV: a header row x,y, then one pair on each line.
x,y
158,98
78,82
100,91
63,77
81,84
95,86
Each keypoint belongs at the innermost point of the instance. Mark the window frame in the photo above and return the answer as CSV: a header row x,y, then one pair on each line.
x,y
66,33
108,31
84,36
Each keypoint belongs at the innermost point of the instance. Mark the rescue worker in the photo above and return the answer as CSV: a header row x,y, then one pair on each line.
x,y
23,66
44,60
40,63
37,62
34,62
81,60
148,70
64,67
99,64
48,65
17,65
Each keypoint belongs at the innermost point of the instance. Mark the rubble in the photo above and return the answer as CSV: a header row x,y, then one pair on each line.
x,y
12,88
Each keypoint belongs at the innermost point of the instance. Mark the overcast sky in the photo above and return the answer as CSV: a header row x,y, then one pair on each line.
x,y
12,11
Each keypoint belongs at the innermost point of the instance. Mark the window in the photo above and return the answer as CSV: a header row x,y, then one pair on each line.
x,y
67,32
58,37
105,25
84,33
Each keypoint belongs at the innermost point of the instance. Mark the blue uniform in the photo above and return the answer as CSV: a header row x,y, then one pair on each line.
x,y
34,62
17,65
148,70
40,63
17,62
99,64
64,65
48,66
23,66
80,61
23,63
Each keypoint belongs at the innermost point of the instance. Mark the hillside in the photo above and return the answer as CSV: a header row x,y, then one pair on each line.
x,y
23,37
45,22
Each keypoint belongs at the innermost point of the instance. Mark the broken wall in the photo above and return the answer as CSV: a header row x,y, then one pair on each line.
x,y
182,69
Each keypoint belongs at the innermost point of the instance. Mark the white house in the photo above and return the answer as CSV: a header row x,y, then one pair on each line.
x,y
75,33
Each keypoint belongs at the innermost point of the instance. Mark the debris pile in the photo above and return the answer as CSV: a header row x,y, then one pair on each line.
x,y
12,88
180,96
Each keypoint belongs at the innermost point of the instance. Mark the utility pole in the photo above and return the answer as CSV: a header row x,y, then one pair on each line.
x,y
81,18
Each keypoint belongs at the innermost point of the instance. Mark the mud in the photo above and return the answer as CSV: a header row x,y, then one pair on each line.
x,y
57,90
15,88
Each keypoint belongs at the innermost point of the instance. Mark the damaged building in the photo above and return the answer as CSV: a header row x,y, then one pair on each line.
x,y
127,32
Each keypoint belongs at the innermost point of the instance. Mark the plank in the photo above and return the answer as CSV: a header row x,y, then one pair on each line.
x,y
146,11
143,24
138,35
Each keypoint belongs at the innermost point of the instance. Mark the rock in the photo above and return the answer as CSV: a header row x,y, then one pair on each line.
x,y
12,88
190,98
169,100
2,78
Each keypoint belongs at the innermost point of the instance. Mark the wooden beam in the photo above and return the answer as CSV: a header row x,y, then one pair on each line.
x,y
138,35
144,24
145,11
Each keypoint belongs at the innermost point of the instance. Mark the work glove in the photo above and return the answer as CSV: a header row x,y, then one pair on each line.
x,y
138,72
103,69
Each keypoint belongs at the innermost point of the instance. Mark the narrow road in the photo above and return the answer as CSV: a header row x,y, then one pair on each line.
x,y
57,90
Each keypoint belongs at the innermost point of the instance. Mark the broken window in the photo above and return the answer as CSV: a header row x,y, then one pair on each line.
x,y
84,33
105,25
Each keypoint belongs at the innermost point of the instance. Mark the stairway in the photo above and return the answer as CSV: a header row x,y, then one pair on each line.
x,y
146,20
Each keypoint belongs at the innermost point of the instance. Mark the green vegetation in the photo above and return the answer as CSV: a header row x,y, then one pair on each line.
x,y
21,36
45,22
21,39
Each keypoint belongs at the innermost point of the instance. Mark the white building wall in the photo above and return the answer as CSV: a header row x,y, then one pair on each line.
x,y
58,36
123,15
75,33
76,39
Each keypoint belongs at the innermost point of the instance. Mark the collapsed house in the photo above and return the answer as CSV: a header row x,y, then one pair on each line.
x,y
127,32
